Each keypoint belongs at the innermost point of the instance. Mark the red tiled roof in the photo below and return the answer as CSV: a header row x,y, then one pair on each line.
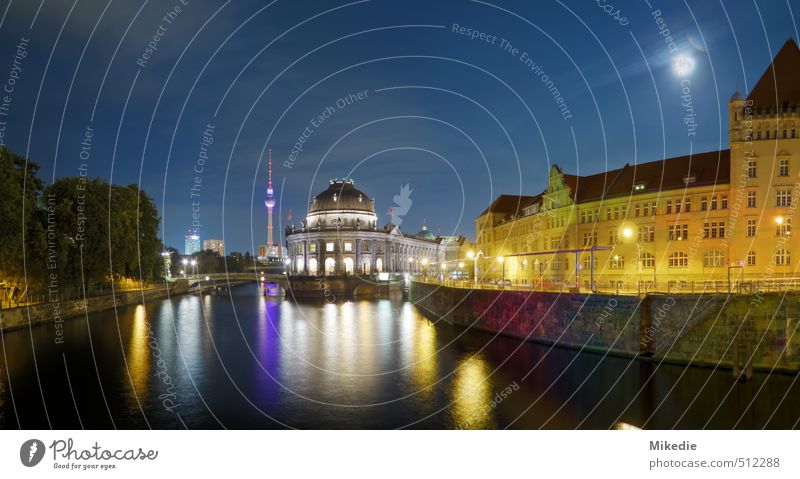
x,y
781,81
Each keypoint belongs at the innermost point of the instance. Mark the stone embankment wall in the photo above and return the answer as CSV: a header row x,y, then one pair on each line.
x,y
710,330
56,311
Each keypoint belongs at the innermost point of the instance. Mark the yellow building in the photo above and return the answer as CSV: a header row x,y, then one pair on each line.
x,y
703,222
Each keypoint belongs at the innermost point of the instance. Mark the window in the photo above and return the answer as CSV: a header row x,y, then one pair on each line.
x,y
587,263
714,230
678,232
751,228
794,133
713,202
329,247
677,206
751,258
348,246
590,239
783,198
312,247
751,166
783,168
613,236
669,206
751,199
687,205
365,246
647,234
636,210
724,202
647,260
784,228
703,203
678,260
784,133
644,209
616,262
608,214
713,259
782,256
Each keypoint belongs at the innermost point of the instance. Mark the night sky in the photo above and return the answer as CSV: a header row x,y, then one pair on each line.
x,y
460,120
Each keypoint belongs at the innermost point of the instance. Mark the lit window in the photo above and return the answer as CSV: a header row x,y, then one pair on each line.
x,y
348,247
647,260
785,228
616,262
312,247
751,199
329,247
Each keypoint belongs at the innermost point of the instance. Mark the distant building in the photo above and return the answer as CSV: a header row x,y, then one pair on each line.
x,y
191,242
691,223
216,245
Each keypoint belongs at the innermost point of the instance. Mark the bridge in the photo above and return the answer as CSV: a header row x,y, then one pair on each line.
x,y
272,283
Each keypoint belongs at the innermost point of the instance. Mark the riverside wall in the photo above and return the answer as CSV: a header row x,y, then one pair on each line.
x,y
710,330
56,311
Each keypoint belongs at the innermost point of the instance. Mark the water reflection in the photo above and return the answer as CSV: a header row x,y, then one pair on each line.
x,y
247,361
139,352
472,395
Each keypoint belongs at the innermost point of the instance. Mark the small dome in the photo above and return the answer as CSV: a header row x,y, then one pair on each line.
x,y
341,195
425,234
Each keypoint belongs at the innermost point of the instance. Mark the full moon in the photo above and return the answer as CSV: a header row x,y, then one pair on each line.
x,y
682,65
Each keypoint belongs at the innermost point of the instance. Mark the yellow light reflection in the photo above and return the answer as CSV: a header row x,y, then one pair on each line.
x,y
139,351
472,395
425,368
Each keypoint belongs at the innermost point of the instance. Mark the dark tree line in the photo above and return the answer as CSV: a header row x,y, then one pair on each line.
x,y
78,230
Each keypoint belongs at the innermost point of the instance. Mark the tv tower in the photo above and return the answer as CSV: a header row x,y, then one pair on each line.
x,y
269,201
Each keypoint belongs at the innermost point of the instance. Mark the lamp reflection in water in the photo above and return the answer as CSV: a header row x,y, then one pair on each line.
x,y
472,395
138,363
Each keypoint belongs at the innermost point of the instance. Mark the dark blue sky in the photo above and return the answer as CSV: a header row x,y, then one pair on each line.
x,y
461,120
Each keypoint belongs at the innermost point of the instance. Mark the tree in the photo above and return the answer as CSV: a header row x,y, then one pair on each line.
x,y
20,220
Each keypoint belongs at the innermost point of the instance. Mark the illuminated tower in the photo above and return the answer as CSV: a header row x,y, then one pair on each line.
x,y
271,249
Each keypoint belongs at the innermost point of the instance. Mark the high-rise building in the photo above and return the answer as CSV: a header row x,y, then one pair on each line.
x,y
216,245
191,242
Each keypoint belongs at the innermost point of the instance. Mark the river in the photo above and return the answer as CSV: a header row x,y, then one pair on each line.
x,y
240,360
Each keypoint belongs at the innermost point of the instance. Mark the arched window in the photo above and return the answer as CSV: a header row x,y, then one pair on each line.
x,y
678,260
647,260
616,262
379,265
330,266
312,266
713,259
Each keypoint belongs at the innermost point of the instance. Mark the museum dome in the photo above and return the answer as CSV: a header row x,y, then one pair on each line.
x,y
341,195
425,234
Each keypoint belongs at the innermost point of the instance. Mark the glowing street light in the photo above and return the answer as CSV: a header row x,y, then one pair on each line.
x,y
627,232
460,264
779,220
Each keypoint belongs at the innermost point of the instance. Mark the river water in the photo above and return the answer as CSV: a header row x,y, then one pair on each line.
x,y
240,360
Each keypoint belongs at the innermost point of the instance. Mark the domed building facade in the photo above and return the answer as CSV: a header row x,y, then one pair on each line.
x,y
340,236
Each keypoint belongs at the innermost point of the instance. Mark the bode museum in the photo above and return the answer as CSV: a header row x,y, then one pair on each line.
x,y
340,236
